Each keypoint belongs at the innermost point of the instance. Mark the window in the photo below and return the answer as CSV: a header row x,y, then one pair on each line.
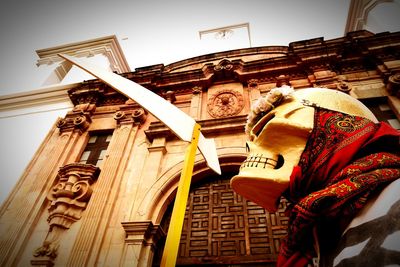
x,y
96,149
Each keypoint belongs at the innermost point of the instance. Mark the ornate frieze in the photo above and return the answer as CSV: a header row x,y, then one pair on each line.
x,y
95,92
225,103
68,199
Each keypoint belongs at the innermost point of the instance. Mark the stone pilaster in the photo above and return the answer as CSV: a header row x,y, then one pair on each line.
x,y
141,238
97,214
254,91
69,198
195,103
36,181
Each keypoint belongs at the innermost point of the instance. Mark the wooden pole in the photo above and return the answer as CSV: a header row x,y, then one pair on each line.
x,y
171,248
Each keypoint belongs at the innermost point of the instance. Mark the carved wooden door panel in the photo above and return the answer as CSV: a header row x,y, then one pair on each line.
x,y
223,228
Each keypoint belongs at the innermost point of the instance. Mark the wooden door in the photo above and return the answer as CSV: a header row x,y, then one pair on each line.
x,y
222,228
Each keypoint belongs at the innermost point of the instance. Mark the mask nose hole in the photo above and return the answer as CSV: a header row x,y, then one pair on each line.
x,y
247,148
280,162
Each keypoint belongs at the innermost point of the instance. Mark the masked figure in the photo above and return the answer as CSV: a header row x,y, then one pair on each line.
x,y
325,152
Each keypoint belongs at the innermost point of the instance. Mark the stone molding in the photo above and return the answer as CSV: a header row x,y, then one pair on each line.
x,y
108,46
35,101
68,199
143,233
358,13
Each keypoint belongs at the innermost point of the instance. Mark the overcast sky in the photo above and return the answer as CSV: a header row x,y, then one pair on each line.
x,y
151,31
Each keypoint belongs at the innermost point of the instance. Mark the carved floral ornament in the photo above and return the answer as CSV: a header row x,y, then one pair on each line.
x,y
69,198
225,103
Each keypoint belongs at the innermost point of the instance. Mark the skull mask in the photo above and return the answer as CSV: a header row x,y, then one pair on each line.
x,y
278,139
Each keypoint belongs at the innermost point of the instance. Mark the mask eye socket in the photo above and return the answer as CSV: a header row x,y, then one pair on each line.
x,y
247,148
257,129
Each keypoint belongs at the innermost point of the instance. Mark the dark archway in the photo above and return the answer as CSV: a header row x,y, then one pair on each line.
x,y
222,228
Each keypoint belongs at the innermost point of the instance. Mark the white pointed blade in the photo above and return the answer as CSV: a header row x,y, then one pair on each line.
x,y
174,118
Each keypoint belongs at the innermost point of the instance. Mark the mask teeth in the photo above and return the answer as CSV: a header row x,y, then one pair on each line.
x,y
255,160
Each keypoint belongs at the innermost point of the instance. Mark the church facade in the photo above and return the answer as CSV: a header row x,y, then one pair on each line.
x,y
100,189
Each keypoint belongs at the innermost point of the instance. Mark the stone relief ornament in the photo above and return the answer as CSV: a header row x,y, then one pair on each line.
x,y
68,199
393,84
225,103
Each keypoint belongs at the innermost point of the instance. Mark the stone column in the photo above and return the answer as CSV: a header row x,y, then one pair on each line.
x,y
25,203
89,238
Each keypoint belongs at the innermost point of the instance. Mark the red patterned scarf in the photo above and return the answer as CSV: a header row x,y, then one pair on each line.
x,y
347,158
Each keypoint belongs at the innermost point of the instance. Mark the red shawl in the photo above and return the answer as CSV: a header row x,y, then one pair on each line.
x,y
347,158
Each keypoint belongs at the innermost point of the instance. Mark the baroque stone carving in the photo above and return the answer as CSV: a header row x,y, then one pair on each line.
x,y
196,90
253,83
170,96
78,119
127,116
225,103
394,85
69,198
344,87
224,65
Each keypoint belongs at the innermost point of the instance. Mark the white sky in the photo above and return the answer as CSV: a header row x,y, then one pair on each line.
x,y
157,31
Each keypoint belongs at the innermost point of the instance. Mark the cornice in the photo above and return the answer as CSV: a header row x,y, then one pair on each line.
x,y
300,59
108,45
37,98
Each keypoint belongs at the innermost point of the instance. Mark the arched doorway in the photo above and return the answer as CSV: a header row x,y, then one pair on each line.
x,y
222,228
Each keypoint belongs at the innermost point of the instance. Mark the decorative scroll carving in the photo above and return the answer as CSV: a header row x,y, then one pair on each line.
x,y
393,85
69,198
170,96
282,80
129,116
252,84
224,65
224,71
196,90
225,103
78,119
344,87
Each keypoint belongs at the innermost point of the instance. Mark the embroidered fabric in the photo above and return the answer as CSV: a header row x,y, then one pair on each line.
x,y
346,160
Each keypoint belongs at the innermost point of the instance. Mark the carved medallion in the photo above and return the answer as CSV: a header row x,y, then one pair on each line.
x,y
225,103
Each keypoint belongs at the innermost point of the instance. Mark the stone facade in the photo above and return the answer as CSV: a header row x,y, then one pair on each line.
x,y
64,213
